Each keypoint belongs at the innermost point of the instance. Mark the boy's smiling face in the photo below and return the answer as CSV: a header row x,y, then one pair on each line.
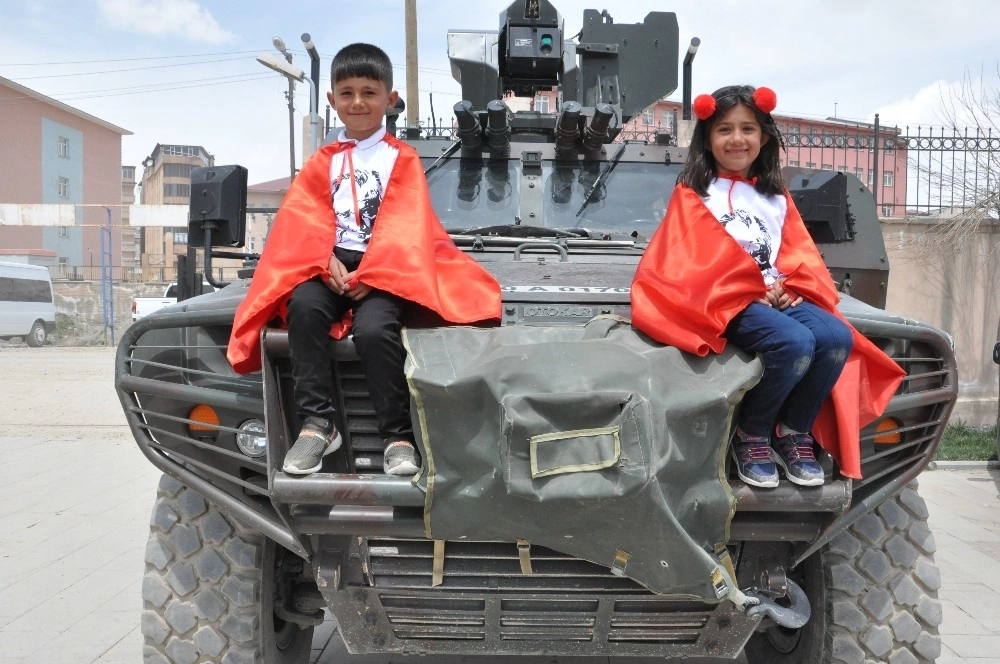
x,y
361,103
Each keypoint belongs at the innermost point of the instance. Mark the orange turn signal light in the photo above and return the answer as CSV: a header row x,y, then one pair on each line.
x,y
887,432
203,418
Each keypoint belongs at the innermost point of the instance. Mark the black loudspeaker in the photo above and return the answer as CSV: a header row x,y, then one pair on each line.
x,y
219,202
821,198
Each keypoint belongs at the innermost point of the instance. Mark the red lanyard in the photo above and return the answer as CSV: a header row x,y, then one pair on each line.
x,y
348,161
733,179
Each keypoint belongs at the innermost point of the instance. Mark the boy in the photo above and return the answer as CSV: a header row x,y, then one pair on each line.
x,y
354,243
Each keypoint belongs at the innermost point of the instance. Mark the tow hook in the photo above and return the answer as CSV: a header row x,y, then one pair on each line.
x,y
793,617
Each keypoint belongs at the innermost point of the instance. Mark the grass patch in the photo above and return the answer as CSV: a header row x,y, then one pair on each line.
x,y
962,442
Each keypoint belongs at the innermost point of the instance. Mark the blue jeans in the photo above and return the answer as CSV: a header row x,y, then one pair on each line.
x,y
804,349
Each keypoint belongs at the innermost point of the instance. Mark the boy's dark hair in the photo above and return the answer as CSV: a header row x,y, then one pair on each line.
x,y
700,169
362,60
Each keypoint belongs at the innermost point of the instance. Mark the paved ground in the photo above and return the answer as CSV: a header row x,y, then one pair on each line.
x,y
75,498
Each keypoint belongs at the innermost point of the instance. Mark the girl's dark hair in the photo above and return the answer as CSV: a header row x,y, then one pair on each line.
x,y
362,60
701,169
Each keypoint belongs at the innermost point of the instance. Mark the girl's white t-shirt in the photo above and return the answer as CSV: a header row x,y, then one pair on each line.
x,y
754,220
358,178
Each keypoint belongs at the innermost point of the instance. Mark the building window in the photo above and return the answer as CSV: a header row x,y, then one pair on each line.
x,y
887,210
172,189
542,104
180,237
63,231
810,164
647,117
793,162
859,173
128,173
63,146
842,167
177,170
63,187
827,167
871,178
887,179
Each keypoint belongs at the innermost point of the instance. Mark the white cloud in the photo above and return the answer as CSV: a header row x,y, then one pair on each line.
x,y
179,18
924,107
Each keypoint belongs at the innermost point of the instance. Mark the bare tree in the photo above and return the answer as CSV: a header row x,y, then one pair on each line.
x,y
965,167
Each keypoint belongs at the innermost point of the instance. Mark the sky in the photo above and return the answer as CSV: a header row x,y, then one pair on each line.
x,y
185,71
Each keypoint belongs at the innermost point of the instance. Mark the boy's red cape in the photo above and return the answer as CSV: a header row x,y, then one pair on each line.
x,y
409,255
694,278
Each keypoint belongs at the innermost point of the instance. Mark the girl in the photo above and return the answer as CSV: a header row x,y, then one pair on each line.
x,y
732,261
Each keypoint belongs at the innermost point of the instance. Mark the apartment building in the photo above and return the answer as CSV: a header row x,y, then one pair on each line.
x,y
54,153
166,180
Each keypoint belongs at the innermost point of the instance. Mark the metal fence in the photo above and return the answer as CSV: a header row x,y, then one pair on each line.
x,y
911,171
951,170
165,274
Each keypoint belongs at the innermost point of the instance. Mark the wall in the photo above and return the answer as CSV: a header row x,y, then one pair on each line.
x,y
953,285
81,302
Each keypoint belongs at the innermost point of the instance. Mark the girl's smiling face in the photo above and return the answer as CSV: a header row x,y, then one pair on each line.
x,y
735,140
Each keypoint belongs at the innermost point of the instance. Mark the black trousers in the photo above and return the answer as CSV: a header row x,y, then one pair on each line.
x,y
376,328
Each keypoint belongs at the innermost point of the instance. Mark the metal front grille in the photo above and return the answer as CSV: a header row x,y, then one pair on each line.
x,y
915,418
610,620
647,620
494,566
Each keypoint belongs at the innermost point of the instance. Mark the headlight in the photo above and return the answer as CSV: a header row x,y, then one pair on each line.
x,y
251,439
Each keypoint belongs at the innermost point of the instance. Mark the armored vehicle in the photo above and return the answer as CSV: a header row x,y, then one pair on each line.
x,y
576,498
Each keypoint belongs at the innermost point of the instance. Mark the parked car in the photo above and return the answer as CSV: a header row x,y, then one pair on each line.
x,y
143,306
26,306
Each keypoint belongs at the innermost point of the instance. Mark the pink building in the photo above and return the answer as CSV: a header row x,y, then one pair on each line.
x,y
54,153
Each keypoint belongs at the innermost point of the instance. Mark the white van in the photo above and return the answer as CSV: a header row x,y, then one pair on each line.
x,y
26,306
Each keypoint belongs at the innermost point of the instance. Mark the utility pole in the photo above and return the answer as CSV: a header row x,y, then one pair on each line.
x,y
412,91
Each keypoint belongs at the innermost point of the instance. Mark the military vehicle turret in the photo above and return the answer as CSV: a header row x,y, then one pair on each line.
x,y
576,497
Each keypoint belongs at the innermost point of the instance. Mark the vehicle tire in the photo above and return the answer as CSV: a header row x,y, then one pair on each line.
x,y
209,588
37,336
873,593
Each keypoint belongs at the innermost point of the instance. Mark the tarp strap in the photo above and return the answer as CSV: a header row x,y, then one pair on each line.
x,y
524,555
620,563
437,575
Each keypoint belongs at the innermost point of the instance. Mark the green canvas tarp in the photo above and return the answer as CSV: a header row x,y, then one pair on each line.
x,y
591,440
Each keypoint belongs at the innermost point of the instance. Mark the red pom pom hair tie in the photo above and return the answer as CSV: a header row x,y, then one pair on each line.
x,y
703,106
765,99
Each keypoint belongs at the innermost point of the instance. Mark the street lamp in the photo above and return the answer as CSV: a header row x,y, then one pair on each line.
x,y
688,59
314,69
292,72
280,45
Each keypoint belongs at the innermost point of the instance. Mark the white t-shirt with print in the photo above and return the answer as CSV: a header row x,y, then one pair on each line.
x,y
754,220
358,178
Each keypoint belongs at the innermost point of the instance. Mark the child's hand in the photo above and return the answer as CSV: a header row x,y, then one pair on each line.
x,y
339,276
784,298
354,289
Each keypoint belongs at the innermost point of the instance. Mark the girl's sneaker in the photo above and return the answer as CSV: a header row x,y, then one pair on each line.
x,y
795,454
754,465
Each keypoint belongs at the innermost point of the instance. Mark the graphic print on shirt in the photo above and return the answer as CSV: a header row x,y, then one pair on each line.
x,y
752,235
368,186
